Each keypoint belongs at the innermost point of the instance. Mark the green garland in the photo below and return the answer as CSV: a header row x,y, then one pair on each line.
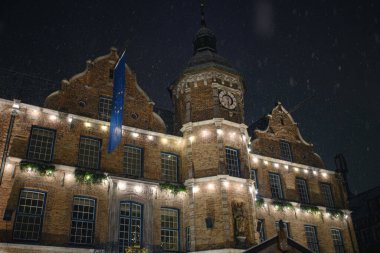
x,y
89,177
309,209
335,213
41,168
282,205
259,202
173,188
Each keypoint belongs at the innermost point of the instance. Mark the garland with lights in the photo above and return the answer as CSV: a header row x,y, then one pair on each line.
x,y
309,209
335,213
282,205
41,168
89,177
173,188
259,202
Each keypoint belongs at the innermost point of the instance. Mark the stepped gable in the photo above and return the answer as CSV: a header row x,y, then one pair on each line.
x,y
281,126
80,94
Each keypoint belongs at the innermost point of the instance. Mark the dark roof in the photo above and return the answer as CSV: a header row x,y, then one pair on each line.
x,y
258,248
205,52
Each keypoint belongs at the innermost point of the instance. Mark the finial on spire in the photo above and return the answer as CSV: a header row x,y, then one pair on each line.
x,y
203,21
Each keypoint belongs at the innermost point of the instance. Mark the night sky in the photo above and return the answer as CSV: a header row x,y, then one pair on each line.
x,y
286,50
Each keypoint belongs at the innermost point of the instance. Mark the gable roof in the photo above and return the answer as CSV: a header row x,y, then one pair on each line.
x,y
273,242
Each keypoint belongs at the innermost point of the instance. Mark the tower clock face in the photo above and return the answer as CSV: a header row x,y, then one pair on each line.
x,y
227,99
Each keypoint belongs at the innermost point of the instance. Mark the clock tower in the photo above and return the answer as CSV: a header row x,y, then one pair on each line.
x,y
209,87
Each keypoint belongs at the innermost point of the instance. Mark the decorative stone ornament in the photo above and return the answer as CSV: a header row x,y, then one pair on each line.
x,y
227,99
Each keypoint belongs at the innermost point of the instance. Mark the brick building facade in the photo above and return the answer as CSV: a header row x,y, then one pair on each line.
x,y
62,192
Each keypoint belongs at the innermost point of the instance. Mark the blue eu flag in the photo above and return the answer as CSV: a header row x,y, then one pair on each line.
x,y
115,133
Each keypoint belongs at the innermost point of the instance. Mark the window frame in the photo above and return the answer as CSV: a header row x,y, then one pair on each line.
x,y
30,140
280,182
255,179
29,215
287,227
262,236
326,198
131,202
341,248
99,114
306,190
315,237
141,173
94,221
100,151
176,169
237,160
178,228
288,150
188,238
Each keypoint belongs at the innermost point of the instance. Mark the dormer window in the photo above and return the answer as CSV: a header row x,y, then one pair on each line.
x,y
285,151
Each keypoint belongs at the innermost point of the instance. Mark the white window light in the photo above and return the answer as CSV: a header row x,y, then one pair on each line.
x,y
16,104
69,119
210,186
135,135
255,160
324,174
150,137
87,124
191,138
315,172
104,127
276,165
305,171
138,188
195,189
266,162
164,140
219,131
286,166
296,169
52,117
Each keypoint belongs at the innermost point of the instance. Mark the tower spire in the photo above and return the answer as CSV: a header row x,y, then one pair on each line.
x,y
202,4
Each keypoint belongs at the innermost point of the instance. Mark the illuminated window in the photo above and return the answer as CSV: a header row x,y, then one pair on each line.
x,y
327,195
232,160
83,220
131,222
29,215
170,229
302,190
286,227
169,167
261,229
337,240
311,238
132,162
275,186
89,152
105,108
285,151
41,144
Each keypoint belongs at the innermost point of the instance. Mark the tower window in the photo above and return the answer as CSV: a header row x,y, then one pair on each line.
x,y
302,190
253,176
285,151
233,163
169,167
311,238
327,194
29,215
130,224
275,186
89,152
105,108
261,229
83,220
133,161
41,144
286,227
170,229
337,240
